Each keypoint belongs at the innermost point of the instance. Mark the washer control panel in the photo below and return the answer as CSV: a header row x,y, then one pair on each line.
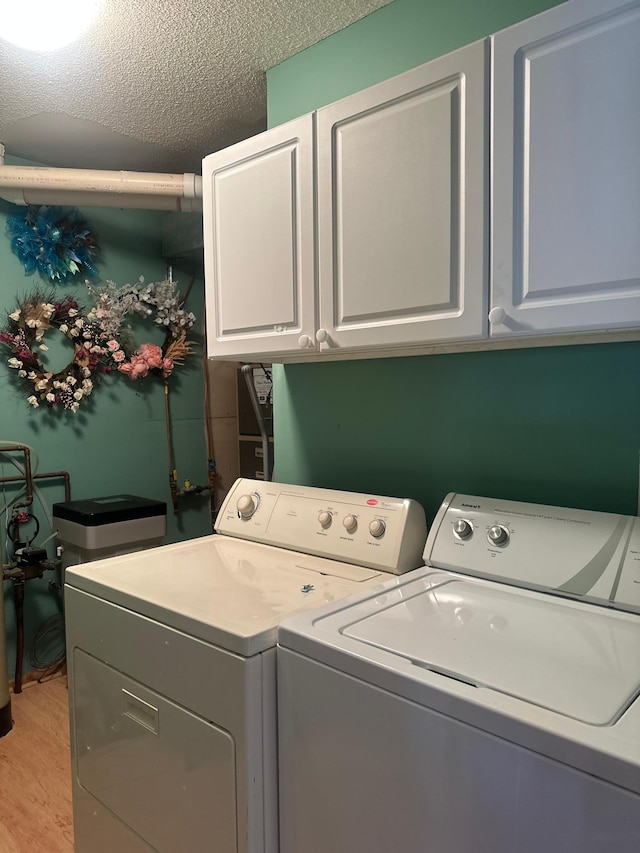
x,y
576,553
369,530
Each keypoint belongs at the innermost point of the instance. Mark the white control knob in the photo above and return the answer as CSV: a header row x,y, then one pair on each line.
x,y
304,342
497,316
350,523
246,506
498,535
322,336
462,528
325,518
377,528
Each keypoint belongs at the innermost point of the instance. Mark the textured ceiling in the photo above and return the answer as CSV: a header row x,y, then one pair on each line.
x,y
157,84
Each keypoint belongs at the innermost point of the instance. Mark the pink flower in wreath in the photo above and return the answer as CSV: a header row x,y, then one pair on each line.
x,y
167,366
118,355
113,345
151,354
137,368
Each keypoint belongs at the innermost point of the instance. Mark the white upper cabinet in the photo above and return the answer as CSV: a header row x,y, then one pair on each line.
x,y
258,223
566,171
401,177
402,208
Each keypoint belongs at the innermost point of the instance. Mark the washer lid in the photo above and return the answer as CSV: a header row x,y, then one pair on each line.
x,y
582,662
225,591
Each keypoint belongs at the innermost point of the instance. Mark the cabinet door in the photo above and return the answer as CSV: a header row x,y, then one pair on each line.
x,y
259,243
566,170
402,179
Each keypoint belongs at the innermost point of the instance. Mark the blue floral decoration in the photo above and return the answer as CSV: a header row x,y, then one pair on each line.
x,y
56,241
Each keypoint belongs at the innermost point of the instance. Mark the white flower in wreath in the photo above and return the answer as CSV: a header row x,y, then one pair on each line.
x,y
15,316
87,386
48,309
15,363
74,407
32,375
50,398
63,328
74,332
71,380
22,373
33,401
78,395
41,384
79,322
86,371
44,348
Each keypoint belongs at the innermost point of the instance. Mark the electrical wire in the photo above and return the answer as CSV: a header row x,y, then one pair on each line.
x,y
44,653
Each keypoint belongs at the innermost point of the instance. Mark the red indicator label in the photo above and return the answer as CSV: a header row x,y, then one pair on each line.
x,y
372,502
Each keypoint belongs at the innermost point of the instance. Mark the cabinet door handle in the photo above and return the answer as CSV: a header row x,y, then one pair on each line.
x,y
322,336
304,342
497,316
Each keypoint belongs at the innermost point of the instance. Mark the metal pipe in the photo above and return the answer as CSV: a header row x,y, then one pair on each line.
x,y
173,474
28,477
65,474
18,600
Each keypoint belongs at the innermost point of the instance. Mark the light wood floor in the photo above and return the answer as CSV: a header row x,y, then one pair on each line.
x,y
35,772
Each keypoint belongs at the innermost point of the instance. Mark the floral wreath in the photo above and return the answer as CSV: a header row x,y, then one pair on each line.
x,y
159,301
102,339
56,241
24,335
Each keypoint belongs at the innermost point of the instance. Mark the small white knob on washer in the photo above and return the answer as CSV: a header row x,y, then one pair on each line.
x,y
304,342
497,316
350,523
377,528
246,506
322,336
325,518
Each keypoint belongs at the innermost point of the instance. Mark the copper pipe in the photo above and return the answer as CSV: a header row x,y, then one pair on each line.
x,y
22,448
18,600
211,472
173,474
51,474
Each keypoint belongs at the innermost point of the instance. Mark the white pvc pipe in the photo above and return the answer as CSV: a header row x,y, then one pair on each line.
x,y
92,187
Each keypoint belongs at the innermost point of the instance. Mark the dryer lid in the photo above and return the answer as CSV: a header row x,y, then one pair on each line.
x,y
574,659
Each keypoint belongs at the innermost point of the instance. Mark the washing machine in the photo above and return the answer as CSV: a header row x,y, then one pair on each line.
x,y
172,663
488,701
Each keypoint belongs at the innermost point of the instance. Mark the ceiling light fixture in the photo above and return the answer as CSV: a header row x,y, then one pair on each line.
x,y
44,25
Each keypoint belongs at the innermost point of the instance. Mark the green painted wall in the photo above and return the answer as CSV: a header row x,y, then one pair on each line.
x,y
117,443
397,37
554,425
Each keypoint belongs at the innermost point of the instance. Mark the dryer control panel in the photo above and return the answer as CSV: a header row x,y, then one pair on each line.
x,y
576,553
368,530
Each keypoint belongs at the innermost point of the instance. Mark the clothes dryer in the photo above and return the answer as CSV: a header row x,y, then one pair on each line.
x,y
486,702
171,655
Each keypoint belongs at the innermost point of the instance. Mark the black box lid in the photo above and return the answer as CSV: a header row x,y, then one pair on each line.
x,y
93,512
